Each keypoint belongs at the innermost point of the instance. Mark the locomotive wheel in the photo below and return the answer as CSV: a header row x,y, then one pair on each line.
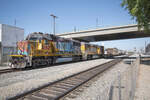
x,y
49,61
34,64
54,60
23,65
91,57
76,58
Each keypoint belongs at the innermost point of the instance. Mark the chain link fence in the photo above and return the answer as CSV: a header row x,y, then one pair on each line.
x,y
123,86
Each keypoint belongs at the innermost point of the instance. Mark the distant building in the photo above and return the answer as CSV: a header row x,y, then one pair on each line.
x,y
147,49
9,35
112,51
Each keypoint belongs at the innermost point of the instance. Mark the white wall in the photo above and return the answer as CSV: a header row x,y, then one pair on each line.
x,y
11,35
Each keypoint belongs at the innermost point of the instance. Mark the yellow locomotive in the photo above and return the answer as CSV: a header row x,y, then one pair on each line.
x,y
44,49
90,50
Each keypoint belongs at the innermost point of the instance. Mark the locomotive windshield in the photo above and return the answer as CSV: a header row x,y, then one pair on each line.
x,y
33,38
39,36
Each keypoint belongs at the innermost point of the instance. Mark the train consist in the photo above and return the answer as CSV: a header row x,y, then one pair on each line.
x,y
44,49
111,52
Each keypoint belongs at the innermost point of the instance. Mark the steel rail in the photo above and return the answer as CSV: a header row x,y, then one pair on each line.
x,y
9,70
60,88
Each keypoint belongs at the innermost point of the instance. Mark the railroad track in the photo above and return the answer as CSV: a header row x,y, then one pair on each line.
x,y
7,70
60,88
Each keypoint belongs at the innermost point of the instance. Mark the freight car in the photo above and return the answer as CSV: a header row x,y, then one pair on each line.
x,y
111,52
44,49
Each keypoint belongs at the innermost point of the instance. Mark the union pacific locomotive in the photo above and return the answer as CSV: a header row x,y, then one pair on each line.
x,y
44,49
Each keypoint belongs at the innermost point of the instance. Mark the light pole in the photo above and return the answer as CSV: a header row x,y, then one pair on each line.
x,y
54,17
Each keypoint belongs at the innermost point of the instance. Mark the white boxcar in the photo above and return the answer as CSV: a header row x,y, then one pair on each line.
x,y
9,35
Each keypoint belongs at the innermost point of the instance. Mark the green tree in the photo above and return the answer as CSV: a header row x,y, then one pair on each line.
x,y
140,11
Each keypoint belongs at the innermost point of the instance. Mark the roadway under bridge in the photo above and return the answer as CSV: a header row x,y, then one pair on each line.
x,y
104,34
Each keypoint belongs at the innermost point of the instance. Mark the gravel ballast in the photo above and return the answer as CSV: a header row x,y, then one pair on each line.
x,y
98,90
12,84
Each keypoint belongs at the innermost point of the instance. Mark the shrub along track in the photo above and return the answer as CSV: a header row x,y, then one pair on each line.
x,y
60,88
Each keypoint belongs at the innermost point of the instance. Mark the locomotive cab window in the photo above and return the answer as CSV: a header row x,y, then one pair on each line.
x,y
46,42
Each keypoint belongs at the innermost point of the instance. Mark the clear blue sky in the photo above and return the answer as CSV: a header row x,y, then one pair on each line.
x,y
33,16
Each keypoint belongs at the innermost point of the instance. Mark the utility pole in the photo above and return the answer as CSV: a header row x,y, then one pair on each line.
x,y
75,29
54,17
96,22
15,22
145,46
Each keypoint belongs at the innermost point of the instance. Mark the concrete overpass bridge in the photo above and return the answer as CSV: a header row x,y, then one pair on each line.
x,y
110,33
